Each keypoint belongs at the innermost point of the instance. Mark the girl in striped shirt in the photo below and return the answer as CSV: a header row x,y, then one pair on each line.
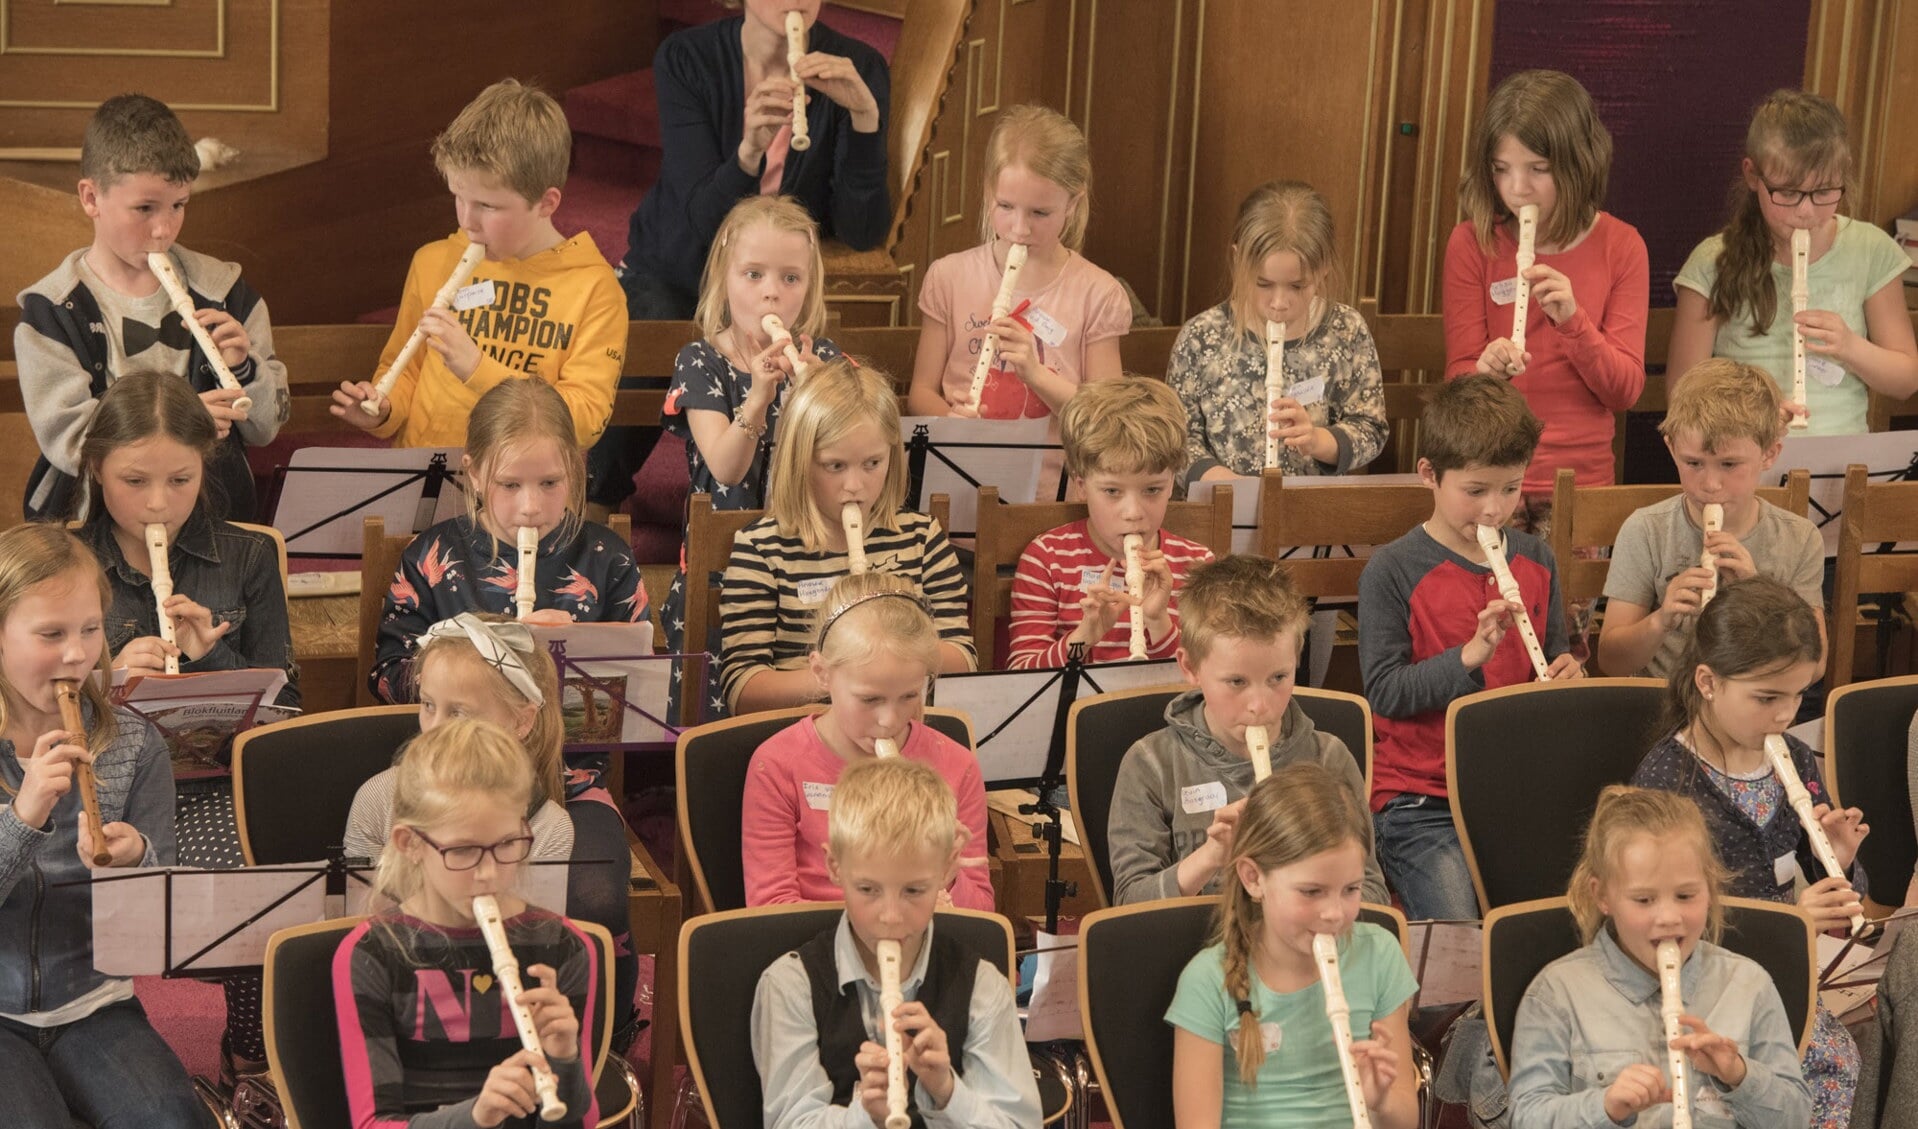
x,y
839,443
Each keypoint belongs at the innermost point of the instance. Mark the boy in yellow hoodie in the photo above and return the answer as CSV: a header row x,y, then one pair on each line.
x,y
538,305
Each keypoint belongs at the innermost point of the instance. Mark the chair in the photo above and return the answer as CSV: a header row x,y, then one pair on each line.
x,y
722,955
1592,516
1130,958
1520,940
379,560
279,543
1876,516
711,776
303,1042
1866,727
1339,517
1006,528
294,781
1112,722
709,546
1521,805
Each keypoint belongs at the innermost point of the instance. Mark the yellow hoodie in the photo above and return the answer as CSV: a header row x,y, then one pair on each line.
x,y
559,316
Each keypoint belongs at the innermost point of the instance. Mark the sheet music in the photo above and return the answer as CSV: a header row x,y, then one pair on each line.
x,y
612,687
130,915
330,491
969,453
1885,453
1054,1010
1013,712
1448,958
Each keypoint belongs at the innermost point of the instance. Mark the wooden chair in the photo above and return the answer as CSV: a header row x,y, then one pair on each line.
x,y
1524,766
1866,738
279,543
1520,940
1877,515
709,546
1592,516
1005,529
1298,520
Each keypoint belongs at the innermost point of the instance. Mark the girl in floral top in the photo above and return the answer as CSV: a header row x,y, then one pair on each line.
x,y
1331,417
1755,650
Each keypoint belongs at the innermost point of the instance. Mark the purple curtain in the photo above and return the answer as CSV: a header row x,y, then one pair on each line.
x,y
1675,82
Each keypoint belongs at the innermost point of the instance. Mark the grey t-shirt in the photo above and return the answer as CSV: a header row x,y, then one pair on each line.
x,y
1660,541
371,820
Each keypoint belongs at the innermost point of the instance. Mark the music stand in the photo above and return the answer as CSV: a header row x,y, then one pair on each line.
x,y
328,492
1889,456
953,456
199,714
1021,717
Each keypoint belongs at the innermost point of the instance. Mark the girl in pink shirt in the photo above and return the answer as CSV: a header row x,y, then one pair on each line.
x,y
874,653
1540,142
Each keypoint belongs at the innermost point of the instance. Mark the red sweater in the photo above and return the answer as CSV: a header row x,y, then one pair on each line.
x,y
1582,372
789,789
1056,569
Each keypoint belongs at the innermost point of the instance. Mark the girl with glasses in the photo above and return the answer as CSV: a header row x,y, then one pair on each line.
x,y
1734,293
423,1030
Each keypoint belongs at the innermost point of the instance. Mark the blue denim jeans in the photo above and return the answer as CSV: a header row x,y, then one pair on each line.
x,y
1420,854
111,1069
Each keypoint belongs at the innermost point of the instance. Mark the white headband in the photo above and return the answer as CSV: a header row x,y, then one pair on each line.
x,y
500,646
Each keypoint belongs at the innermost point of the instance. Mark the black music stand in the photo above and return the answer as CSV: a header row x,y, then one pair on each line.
x,y
325,494
954,456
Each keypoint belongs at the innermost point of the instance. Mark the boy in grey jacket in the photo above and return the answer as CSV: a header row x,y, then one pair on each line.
x,y
1180,790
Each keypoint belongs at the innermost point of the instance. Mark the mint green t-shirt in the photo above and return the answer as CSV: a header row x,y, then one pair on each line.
x,y
1862,260
1300,1084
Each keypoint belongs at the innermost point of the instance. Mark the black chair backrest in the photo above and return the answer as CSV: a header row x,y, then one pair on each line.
x,y
299,986
721,956
1520,940
712,785
1525,766
1866,727
294,782
1343,716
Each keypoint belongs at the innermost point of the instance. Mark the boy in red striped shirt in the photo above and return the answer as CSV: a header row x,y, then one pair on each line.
x,y
1124,447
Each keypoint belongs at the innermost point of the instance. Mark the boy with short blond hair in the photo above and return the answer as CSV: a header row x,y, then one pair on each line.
x,y
539,305
1724,428
102,312
893,841
1124,450
1179,791
1433,627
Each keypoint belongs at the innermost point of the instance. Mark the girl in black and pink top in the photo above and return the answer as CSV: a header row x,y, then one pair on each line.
x,y
522,467
426,1040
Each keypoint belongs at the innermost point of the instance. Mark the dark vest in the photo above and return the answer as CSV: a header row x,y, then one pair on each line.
x,y
946,992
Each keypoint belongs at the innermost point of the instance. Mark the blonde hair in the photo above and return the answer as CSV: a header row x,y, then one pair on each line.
x,y
1281,215
38,553
870,614
545,743
132,133
439,772
1238,597
1719,399
1046,144
834,400
1793,135
1549,113
1133,425
783,214
891,807
513,132
1624,812
1297,812
510,415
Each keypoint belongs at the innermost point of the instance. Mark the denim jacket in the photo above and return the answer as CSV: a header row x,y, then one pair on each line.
x,y
1594,1012
46,928
232,572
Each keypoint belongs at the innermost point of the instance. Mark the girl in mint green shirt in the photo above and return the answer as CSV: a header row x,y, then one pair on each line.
x,y
1252,1044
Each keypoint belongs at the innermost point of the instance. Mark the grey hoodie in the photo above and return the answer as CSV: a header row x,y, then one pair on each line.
x,y
1149,829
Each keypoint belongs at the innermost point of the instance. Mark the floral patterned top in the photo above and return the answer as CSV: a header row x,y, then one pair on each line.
x,y
703,378
1219,375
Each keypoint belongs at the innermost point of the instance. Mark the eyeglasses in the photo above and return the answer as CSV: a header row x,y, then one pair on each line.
x,y
1792,197
505,852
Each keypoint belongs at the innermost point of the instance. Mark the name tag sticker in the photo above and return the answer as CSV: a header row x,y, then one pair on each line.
x,y
813,589
818,796
1825,371
1046,327
1271,1034
1505,291
1195,798
1089,578
473,297
1785,869
1308,392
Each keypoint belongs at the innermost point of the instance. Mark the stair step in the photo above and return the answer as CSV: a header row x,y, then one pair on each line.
x,y
622,108
605,159
600,207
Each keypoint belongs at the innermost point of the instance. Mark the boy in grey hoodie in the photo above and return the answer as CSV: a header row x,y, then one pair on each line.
x,y
1180,790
